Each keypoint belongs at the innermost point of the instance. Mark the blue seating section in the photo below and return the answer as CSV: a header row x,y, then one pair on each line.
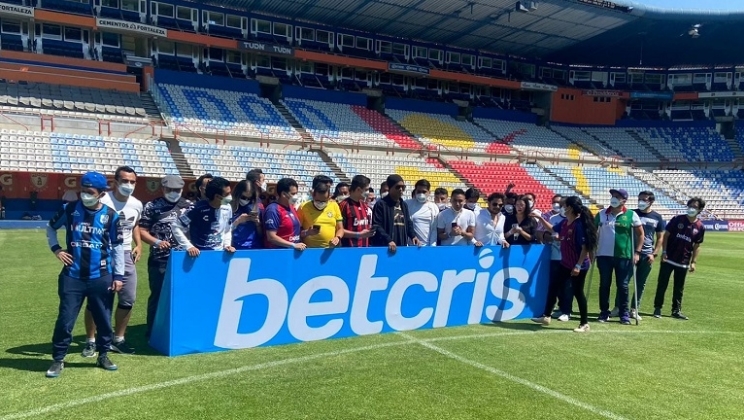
x,y
73,154
236,113
233,162
697,144
549,181
601,180
723,190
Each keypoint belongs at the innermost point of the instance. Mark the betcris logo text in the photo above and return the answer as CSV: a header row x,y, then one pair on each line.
x,y
273,297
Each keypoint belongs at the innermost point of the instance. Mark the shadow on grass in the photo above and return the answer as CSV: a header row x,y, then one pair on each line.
x,y
39,365
520,326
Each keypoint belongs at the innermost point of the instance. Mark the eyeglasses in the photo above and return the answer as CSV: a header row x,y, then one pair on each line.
x,y
496,204
400,187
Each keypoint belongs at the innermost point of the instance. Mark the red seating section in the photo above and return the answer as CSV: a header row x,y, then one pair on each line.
x,y
385,126
491,177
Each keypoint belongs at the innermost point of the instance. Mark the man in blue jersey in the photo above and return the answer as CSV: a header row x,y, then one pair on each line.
x,y
208,222
93,253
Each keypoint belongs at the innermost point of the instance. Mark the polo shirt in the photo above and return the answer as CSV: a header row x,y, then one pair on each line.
x,y
616,232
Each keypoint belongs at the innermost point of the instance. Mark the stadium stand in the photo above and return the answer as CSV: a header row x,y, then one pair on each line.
x,y
442,130
233,162
696,144
494,177
206,110
530,138
76,154
723,190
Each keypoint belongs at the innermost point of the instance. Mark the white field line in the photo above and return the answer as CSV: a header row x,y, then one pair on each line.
x,y
268,365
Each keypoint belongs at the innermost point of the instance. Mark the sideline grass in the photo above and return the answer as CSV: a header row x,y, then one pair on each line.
x,y
663,369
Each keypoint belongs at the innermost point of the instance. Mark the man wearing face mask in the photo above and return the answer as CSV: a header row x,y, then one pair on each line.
x,y
423,214
155,228
471,197
341,193
209,222
356,214
281,222
201,186
620,230
130,212
93,260
391,218
511,199
258,180
441,199
456,225
681,247
321,220
653,225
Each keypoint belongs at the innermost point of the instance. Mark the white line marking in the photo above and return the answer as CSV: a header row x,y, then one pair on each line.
x,y
516,379
268,365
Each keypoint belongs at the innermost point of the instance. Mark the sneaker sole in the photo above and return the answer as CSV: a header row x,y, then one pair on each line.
x,y
118,350
89,356
115,368
52,375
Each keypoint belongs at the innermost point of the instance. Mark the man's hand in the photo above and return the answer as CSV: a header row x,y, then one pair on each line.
x,y
64,257
137,253
651,259
243,218
193,251
636,258
505,244
366,233
116,286
253,217
456,231
163,245
692,267
335,241
575,272
416,242
392,247
230,249
299,246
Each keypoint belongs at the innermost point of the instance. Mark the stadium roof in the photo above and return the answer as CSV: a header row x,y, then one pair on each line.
x,y
566,31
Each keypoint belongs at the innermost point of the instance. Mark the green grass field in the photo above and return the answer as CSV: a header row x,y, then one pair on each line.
x,y
662,369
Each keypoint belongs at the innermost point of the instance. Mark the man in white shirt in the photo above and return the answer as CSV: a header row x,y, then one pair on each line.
x,y
441,198
130,212
489,225
455,225
472,196
423,214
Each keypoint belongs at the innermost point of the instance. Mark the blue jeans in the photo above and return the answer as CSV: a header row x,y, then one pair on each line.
x,y
72,292
643,269
623,269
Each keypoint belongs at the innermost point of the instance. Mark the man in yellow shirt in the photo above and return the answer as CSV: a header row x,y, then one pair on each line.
x,y
321,220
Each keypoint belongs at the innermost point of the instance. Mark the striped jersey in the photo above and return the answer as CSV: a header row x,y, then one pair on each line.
x,y
616,234
91,236
357,216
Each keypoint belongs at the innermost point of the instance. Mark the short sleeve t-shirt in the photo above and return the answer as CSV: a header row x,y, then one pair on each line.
x,y
357,217
616,233
464,219
653,224
326,219
572,238
555,246
130,212
683,235
207,225
284,221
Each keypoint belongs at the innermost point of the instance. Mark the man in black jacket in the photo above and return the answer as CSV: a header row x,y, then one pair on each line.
x,y
391,218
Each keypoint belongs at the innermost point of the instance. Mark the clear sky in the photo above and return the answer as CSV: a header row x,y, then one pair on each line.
x,y
726,5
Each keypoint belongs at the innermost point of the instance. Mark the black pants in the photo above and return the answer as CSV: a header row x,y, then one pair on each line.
x,y
563,276
680,274
565,294
72,292
156,274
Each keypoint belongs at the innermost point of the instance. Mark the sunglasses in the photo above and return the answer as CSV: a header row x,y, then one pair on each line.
x,y
400,187
496,204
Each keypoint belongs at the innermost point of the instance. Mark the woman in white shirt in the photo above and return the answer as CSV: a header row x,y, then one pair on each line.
x,y
489,225
423,214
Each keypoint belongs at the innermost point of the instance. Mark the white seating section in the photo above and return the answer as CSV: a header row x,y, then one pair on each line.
x,y
76,154
204,110
233,162
335,122
623,142
528,138
723,191
590,143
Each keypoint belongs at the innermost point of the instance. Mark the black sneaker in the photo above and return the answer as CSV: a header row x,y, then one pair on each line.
x,y
679,315
121,347
55,369
105,363
657,313
90,349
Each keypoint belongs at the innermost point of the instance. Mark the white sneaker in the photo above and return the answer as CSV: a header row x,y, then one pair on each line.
x,y
564,318
634,315
615,312
542,320
556,314
582,328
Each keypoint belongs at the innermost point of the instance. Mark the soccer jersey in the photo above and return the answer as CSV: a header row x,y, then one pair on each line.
x,y
356,217
157,217
572,238
682,236
130,212
284,221
653,223
245,235
209,228
326,219
616,233
91,236
555,246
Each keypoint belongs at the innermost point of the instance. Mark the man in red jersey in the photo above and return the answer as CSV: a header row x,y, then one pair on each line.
x,y
281,223
356,214
681,246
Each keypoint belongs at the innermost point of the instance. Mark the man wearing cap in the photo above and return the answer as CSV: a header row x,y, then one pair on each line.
x,y
129,209
619,248
93,252
392,219
155,229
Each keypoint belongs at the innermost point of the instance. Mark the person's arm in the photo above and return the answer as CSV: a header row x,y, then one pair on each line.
x,y
638,232
433,234
546,225
178,227
469,234
144,226
259,222
660,229
116,238
378,221
227,231
272,222
441,228
274,239
409,222
59,220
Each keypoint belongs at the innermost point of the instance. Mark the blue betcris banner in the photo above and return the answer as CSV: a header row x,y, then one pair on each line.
x,y
271,297
716,225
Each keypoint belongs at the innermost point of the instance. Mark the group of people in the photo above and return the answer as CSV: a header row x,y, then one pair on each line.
x,y
106,231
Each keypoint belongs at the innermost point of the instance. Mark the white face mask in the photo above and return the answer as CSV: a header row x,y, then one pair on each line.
x,y
421,198
172,197
226,200
556,207
243,202
126,189
89,200
470,206
294,199
383,195
509,208
341,198
692,212
615,202
643,205
563,212
320,205
263,186
531,204
442,206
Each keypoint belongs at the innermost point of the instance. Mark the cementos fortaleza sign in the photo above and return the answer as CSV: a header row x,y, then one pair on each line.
x,y
134,27
716,225
271,297
16,10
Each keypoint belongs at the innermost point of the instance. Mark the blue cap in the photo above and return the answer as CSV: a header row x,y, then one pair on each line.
x,y
94,180
621,192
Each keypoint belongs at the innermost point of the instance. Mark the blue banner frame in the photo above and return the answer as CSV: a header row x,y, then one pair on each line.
x,y
257,298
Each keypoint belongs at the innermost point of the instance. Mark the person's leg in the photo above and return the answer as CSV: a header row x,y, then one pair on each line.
x,y
156,276
90,326
127,296
643,269
577,285
665,271
101,301
71,295
565,297
680,275
553,289
623,274
604,264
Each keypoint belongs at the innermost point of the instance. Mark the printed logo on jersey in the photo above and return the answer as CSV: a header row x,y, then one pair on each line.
x,y
104,218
